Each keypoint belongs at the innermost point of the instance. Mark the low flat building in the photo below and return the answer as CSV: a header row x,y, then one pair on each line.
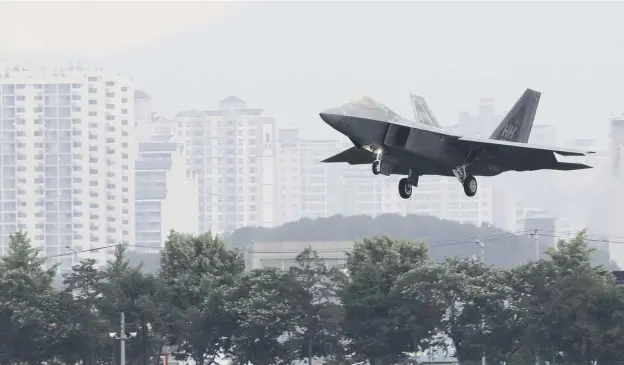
x,y
282,255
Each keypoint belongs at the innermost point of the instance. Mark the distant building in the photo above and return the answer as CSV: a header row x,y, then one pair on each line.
x,y
166,195
544,135
232,149
483,123
306,187
67,142
282,254
616,137
541,223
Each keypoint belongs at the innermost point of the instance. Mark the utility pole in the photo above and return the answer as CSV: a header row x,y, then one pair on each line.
x,y
535,239
122,338
482,245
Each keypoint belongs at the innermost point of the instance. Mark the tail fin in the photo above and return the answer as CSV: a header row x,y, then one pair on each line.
x,y
517,124
422,112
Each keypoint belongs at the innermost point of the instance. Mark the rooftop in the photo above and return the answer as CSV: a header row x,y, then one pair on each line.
x,y
142,165
157,147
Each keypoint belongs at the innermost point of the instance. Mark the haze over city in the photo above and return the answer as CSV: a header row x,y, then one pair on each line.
x,y
163,176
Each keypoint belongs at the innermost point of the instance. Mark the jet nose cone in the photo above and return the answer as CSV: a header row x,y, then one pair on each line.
x,y
330,118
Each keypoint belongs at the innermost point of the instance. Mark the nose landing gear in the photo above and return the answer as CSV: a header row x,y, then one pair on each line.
x,y
377,163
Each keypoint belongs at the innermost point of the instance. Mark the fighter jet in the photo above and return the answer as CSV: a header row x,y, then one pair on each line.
x,y
397,146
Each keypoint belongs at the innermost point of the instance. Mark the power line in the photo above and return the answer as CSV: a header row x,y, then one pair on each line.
x,y
434,244
72,253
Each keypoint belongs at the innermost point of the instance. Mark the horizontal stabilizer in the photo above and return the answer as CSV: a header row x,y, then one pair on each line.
x,y
352,156
490,144
568,166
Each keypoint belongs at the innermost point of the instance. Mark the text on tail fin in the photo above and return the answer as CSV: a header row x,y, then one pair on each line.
x,y
517,124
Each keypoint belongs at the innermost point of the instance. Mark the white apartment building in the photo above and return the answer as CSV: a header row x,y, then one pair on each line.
x,y
166,195
68,152
544,135
306,187
150,126
232,150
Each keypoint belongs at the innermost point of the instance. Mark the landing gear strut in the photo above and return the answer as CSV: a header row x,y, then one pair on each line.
x,y
406,184
377,163
468,181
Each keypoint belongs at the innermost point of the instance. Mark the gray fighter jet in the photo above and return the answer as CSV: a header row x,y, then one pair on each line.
x,y
394,145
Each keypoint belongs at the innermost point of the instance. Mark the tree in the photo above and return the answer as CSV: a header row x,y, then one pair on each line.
x,y
87,331
199,274
442,236
27,308
475,297
419,306
373,268
126,289
266,315
571,305
317,290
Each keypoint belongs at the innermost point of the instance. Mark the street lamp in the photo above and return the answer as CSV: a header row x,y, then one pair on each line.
x,y
482,245
122,339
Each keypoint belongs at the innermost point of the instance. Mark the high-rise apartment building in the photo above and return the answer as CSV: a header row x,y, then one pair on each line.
x,y
68,152
232,150
483,123
166,195
616,137
306,187
544,135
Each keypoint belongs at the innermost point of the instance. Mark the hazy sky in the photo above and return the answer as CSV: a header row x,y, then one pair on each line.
x,y
297,58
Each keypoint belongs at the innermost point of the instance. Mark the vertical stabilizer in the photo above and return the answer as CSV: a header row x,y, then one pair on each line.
x,y
517,124
422,113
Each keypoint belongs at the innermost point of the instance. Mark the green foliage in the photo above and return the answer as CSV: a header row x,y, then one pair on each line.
x,y
443,237
265,316
318,311
373,269
199,274
390,302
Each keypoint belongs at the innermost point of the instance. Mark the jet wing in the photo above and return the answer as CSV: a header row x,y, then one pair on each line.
x,y
493,145
352,156
521,156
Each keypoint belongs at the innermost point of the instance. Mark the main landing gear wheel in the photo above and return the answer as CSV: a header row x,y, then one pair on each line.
x,y
405,188
377,167
470,185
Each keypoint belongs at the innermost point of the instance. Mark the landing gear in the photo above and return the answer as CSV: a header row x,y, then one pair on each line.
x,y
377,163
405,188
470,185
406,184
468,181
377,167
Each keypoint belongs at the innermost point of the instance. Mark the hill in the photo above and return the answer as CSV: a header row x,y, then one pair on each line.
x,y
444,238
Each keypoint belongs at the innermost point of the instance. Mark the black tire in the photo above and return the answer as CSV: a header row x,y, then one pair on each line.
x,y
376,167
470,186
405,188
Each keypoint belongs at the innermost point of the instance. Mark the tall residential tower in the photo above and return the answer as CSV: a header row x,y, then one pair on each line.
x,y
67,162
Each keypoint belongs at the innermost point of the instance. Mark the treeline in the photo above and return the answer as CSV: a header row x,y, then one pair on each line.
x,y
389,302
444,238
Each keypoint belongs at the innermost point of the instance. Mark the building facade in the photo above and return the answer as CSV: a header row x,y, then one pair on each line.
x,y
306,187
67,141
166,195
282,255
232,149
